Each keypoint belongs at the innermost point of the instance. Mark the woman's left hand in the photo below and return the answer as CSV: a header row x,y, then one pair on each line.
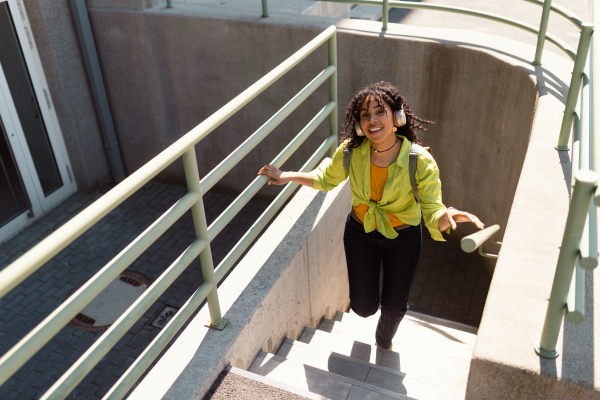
x,y
453,216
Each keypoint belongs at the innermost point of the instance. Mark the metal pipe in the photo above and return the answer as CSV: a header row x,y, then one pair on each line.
x,y
542,33
266,216
333,89
243,149
575,85
585,185
52,324
560,10
136,370
265,11
98,89
576,297
27,264
69,380
595,72
588,248
470,243
384,15
169,3
192,178
244,197
466,11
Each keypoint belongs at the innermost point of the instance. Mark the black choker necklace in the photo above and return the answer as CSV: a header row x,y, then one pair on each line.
x,y
383,151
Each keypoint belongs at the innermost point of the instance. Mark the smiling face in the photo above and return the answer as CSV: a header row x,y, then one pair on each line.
x,y
376,120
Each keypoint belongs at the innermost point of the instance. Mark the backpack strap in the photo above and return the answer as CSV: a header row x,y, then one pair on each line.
x,y
412,170
347,155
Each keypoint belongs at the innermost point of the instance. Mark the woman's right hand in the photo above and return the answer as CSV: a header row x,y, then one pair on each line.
x,y
275,174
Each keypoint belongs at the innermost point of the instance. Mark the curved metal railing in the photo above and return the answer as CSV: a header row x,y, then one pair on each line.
x,y
579,248
18,271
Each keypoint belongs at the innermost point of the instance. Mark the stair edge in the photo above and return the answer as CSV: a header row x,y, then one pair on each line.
x,y
342,378
275,383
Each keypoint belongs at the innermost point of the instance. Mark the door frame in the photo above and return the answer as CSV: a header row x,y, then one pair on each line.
x,y
39,202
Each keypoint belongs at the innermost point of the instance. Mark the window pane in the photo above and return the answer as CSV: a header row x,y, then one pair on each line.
x,y
21,90
13,200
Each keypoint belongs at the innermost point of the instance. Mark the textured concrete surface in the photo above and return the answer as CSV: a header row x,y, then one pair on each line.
x,y
29,303
233,386
519,10
285,282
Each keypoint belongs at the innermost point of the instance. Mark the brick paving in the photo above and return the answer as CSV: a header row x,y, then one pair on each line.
x,y
454,289
449,283
29,303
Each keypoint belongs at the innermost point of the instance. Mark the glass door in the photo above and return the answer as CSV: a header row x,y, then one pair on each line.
x,y
34,170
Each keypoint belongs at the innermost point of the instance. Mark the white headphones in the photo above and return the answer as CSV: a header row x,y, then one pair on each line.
x,y
399,120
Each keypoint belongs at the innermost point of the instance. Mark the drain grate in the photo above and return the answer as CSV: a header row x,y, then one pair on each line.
x,y
130,280
85,320
104,310
165,316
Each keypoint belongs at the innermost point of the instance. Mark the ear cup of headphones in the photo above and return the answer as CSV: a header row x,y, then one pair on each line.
x,y
399,118
359,131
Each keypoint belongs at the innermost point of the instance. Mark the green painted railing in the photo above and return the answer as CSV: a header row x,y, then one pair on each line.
x,y
579,248
31,261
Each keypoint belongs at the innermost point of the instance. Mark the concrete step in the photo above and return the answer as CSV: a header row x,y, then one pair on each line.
x,y
446,347
371,13
271,382
366,372
417,323
324,383
426,365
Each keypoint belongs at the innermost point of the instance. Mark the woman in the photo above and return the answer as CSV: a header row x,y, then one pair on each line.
x,y
384,225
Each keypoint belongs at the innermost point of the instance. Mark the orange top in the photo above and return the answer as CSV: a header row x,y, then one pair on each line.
x,y
379,177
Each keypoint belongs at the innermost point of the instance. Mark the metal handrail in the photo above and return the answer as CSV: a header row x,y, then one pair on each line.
x,y
466,11
579,250
27,264
475,240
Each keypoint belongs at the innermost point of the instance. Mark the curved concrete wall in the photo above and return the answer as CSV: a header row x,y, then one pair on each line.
x,y
167,70
497,122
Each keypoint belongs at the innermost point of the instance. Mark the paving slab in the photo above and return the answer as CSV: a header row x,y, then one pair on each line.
x,y
313,379
445,372
22,309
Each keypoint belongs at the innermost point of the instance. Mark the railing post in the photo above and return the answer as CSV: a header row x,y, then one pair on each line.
x,y
384,15
265,13
582,192
169,4
582,52
200,226
542,34
333,117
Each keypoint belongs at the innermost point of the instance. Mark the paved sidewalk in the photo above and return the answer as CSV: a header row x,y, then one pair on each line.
x,y
28,304
455,289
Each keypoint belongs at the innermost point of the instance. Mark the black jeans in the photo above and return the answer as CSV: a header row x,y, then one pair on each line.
x,y
365,254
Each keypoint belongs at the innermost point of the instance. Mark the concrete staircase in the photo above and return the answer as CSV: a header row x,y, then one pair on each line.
x,y
430,360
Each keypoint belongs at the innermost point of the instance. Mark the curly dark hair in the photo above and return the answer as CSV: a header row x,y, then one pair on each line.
x,y
381,91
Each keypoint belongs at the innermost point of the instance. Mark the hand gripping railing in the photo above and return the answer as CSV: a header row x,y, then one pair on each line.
x,y
579,250
31,261
476,240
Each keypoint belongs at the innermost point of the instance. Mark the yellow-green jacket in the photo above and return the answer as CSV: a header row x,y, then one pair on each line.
x,y
397,197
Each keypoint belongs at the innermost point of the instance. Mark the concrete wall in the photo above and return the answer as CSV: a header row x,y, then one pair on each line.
x,y
162,81
328,9
493,111
293,276
58,46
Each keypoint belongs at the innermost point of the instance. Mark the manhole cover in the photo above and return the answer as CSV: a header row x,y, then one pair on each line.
x,y
165,316
111,303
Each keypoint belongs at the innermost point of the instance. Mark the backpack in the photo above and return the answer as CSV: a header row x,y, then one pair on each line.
x,y
412,166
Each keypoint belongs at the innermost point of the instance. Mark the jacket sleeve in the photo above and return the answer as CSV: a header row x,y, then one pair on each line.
x,y
328,175
430,192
